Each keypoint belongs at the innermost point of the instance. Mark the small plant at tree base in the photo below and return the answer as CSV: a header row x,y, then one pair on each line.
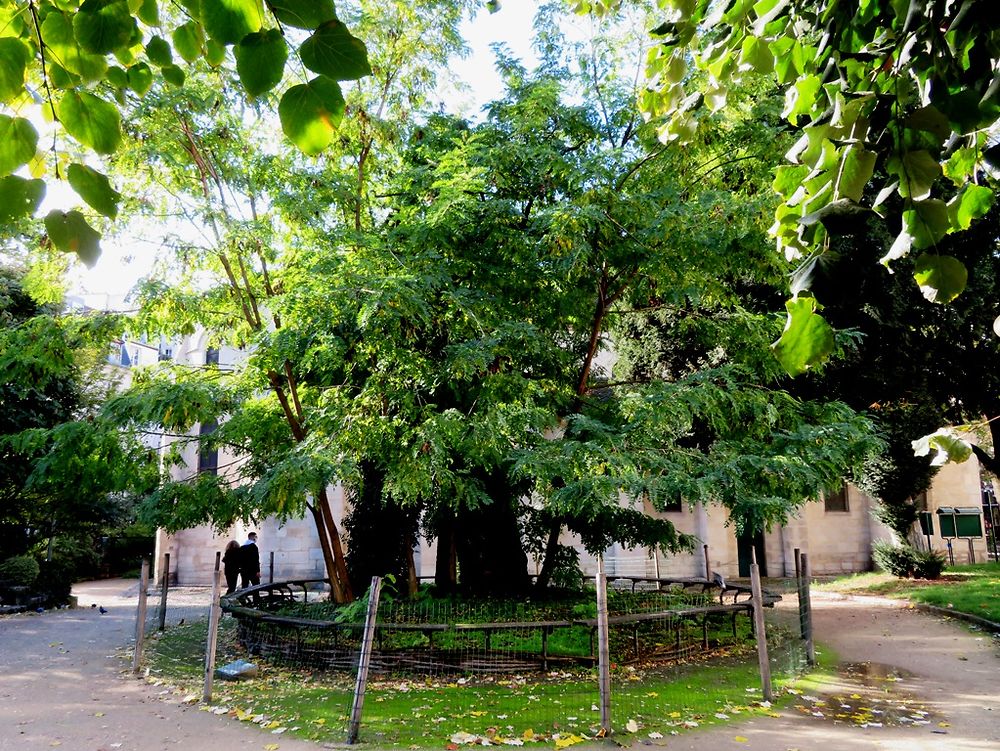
x,y
19,571
898,560
928,564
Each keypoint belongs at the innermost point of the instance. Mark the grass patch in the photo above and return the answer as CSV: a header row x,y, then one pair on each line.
x,y
558,707
969,589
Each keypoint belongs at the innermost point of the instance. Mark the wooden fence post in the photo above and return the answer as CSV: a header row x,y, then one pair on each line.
x,y
708,564
214,615
798,572
165,583
364,660
140,617
603,648
759,630
270,575
806,603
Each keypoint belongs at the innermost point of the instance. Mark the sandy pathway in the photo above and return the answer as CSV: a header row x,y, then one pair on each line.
x,y
62,685
950,671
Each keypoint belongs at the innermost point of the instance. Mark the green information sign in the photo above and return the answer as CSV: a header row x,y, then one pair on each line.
x,y
926,523
959,522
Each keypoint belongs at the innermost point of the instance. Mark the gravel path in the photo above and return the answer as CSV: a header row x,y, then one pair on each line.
x,y
63,683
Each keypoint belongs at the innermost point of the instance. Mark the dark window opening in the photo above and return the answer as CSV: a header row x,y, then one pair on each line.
x,y
836,500
208,458
212,356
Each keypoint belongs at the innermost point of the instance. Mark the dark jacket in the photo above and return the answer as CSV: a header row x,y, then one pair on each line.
x,y
249,558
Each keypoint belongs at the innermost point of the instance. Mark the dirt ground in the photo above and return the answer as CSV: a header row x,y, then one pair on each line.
x,y
63,684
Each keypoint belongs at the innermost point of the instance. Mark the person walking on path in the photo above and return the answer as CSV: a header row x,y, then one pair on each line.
x,y
250,562
231,565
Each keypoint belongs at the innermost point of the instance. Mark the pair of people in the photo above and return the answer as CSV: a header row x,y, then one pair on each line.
x,y
241,562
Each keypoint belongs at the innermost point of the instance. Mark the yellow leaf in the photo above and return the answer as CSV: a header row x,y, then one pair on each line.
x,y
271,747
740,739
944,724
568,740
477,714
528,734
98,714
675,714
320,721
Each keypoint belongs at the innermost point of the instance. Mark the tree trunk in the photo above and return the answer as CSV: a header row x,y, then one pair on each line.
x,y
324,542
549,559
339,567
446,561
412,582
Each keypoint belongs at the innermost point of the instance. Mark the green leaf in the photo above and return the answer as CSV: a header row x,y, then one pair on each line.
x,y
303,14
148,12
215,53
70,233
173,74
333,52
101,26
970,204
158,51
856,169
13,60
189,40
90,120
57,33
117,77
310,113
960,165
95,189
60,78
19,197
260,60
917,171
941,278
228,21
807,340
926,222
140,78
947,447
18,143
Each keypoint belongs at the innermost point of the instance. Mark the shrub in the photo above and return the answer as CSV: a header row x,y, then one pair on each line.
x,y
928,564
55,580
19,571
898,560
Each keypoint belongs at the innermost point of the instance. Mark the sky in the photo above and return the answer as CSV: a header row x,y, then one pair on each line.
x,y
124,260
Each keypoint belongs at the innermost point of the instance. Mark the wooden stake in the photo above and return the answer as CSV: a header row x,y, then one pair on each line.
x,y
270,575
807,627
165,584
140,617
759,631
708,563
214,615
603,648
364,660
798,572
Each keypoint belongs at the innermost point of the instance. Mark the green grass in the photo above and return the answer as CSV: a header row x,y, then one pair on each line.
x,y
426,713
971,589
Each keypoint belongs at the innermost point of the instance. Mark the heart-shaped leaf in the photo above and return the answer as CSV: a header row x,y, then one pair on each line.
x,y
18,142
303,14
102,26
310,113
941,278
228,21
19,197
90,120
189,40
260,60
140,78
334,52
94,188
13,61
807,340
70,233
57,33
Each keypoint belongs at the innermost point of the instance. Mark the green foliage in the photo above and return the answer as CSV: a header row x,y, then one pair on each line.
x,y
905,561
19,571
70,232
94,188
901,93
55,582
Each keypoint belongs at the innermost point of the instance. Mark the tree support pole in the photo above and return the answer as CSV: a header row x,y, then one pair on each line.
x,y
364,661
806,601
140,617
165,584
759,630
214,615
603,648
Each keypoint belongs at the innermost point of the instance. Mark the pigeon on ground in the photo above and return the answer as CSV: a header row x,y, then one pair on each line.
x,y
719,580
102,610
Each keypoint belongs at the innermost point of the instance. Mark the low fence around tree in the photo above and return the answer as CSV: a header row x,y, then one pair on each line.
x,y
662,636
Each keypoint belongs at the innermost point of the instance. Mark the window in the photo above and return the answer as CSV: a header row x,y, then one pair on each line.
x,y
664,502
212,356
836,500
208,458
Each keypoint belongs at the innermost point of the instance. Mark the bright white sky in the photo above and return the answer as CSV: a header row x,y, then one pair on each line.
x,y
124,260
